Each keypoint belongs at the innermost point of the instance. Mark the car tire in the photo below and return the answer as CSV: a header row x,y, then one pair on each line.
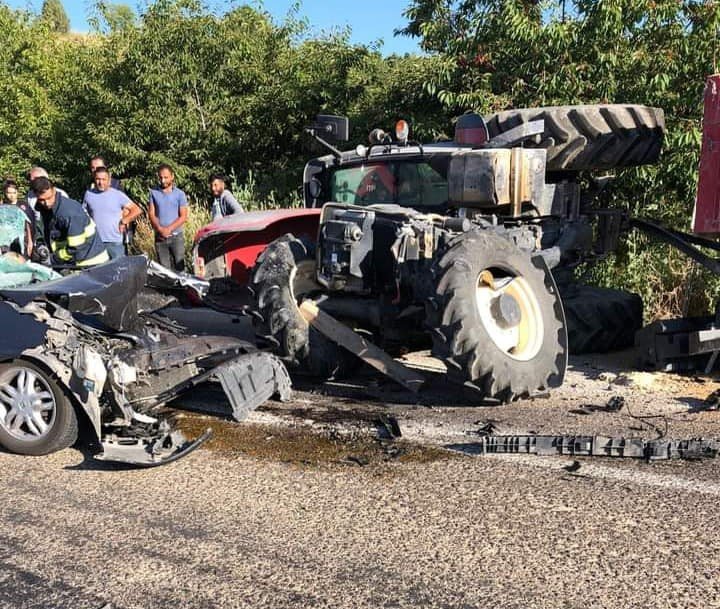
x,y
36,415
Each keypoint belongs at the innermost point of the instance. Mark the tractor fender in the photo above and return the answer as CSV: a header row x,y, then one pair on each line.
x,y
229,246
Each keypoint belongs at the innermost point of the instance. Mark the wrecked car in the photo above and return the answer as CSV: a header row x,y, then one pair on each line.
x,y
82,347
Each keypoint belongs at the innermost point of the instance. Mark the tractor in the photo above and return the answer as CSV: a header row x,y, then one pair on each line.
x,y
472,242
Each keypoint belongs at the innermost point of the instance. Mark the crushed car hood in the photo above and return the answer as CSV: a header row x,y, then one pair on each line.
x,y
108,293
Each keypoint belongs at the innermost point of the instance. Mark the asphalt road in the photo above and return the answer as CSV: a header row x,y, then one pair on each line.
x,y
280,512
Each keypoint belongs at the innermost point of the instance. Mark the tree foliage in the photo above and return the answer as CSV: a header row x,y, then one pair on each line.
x,y
109,17
54,15
180,84
498,54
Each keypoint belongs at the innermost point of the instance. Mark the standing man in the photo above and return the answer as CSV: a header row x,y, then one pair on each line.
x,y
168,211
69,231
97,162
224,203
112,211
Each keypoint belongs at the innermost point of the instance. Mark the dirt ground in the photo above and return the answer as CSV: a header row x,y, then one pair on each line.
x,y
315,502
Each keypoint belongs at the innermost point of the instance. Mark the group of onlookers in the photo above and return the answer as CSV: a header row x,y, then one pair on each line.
x,y
100,228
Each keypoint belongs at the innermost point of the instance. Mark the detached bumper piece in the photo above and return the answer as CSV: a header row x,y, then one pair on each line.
x,y
601,446
150,451
251,379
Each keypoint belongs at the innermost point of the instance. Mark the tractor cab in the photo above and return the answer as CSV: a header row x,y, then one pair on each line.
x,y
391,169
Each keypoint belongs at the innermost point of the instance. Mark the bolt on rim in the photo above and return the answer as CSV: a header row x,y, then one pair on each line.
x,y
27,404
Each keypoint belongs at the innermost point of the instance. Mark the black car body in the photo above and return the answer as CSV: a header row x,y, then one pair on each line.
x,y
84,346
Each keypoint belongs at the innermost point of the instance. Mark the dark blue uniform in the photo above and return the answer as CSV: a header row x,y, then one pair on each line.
x,y
71,235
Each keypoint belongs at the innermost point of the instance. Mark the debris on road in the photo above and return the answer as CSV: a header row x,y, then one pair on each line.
x,y
388,427
712,402
601,446
573,467
615,403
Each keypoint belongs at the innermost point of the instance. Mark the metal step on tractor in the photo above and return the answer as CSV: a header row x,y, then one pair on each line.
x,y
471,242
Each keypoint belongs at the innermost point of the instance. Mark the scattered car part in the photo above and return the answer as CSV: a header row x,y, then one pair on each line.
x,y
600,446
388,427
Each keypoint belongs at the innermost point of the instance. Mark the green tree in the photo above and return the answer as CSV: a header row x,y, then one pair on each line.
x,y
496,54
53,13
110,16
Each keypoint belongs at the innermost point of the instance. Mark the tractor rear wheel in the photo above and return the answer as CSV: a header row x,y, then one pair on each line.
x,y
496,318
283,276
592,137
600,319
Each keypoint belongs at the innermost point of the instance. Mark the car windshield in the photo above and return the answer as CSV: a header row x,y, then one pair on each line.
x,y
418,184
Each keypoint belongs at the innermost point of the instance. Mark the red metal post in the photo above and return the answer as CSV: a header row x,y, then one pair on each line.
x,y
706,216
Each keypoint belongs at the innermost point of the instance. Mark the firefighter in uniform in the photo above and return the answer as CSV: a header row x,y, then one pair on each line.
x,y
69,231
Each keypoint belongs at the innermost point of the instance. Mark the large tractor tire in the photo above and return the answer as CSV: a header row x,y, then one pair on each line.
x,y
496,318
284,274
597,137
600,319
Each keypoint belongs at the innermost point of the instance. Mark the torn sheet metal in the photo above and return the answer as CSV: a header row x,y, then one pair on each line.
x,y
85,333
250,380
162,278
149,452
105,293
601,446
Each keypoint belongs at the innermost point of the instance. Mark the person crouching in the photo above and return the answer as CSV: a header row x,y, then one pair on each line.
x,y
69,231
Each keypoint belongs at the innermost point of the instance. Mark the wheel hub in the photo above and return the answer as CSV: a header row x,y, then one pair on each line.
x,y
506,311
27,405
509,311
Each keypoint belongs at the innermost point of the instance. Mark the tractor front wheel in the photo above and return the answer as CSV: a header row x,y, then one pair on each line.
x,y
496,318
284,275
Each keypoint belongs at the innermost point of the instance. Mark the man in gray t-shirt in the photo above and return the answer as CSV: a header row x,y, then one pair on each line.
x,y
112,211
168,211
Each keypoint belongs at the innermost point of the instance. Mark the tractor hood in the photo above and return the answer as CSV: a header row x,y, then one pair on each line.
x,y
251,221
